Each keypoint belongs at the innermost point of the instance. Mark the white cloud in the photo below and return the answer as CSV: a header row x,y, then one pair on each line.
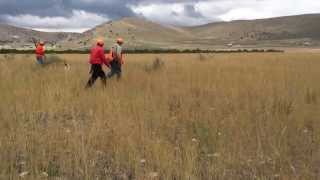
x,y
177,12
75,30
168,13
79,21
225,10
257,9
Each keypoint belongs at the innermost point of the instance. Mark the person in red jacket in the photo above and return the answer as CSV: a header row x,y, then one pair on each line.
x,y
40,52
97,59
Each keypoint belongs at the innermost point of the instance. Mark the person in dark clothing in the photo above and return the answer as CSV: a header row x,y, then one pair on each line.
x,y
117,59
115,69
97,59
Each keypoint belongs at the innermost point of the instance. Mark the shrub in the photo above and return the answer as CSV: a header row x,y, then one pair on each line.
x,y
274,50
53,59
9,57
27,56
156,65
202,57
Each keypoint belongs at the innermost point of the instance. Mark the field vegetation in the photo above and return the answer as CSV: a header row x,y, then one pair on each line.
x,y
171,117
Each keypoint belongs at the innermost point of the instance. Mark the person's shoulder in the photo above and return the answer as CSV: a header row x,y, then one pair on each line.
x,y
98,48
119,48
102,50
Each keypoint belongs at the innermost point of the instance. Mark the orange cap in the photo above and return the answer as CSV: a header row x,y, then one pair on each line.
x,y
120,40
100,41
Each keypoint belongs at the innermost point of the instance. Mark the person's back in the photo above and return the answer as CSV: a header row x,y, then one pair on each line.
x,y
117,52
117,59
40,52
97,55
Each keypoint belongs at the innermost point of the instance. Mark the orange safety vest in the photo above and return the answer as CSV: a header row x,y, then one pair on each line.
x,y
111,56
40,50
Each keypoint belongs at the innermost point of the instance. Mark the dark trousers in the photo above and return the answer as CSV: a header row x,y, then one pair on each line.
x,y
115,69
40,60
96,72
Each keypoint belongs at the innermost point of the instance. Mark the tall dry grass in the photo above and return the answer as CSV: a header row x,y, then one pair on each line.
x,y
232,116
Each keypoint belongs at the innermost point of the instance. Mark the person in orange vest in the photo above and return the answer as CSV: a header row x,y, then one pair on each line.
x,y
40,52
97,59
116,58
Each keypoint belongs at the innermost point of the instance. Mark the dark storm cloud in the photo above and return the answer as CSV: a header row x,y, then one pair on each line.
x,y
35,7
190,10
110,8
57,13
88,13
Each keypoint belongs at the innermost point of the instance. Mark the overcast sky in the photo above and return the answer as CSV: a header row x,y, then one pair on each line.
x,y
80,15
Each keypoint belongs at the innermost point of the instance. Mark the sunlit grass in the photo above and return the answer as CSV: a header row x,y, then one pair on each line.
x,y
224,116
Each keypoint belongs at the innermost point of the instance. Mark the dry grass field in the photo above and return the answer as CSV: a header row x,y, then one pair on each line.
x,y
187,117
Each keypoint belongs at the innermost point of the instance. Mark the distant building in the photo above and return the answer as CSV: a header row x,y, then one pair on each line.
x,y
26,47
5,47
307,43
51,47
16,37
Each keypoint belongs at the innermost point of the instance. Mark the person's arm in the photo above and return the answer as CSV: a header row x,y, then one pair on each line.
x,y
114,53
34,42
109,56
120,54
122,59
103,58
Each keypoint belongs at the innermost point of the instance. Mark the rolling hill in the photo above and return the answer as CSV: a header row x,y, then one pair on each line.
x,y
302,28
138,33
291,31
16,37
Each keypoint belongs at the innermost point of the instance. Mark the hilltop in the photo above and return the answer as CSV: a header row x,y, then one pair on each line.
x,y
139,33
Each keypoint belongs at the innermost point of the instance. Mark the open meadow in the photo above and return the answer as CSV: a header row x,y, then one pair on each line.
x,y
171,117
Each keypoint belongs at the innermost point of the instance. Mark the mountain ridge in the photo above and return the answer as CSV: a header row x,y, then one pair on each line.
x,y
298,30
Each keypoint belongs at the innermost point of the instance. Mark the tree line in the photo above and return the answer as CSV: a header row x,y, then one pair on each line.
x,y
146,51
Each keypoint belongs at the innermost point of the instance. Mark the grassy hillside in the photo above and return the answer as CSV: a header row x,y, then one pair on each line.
x,y
139,33
281,28
17,37
225,116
